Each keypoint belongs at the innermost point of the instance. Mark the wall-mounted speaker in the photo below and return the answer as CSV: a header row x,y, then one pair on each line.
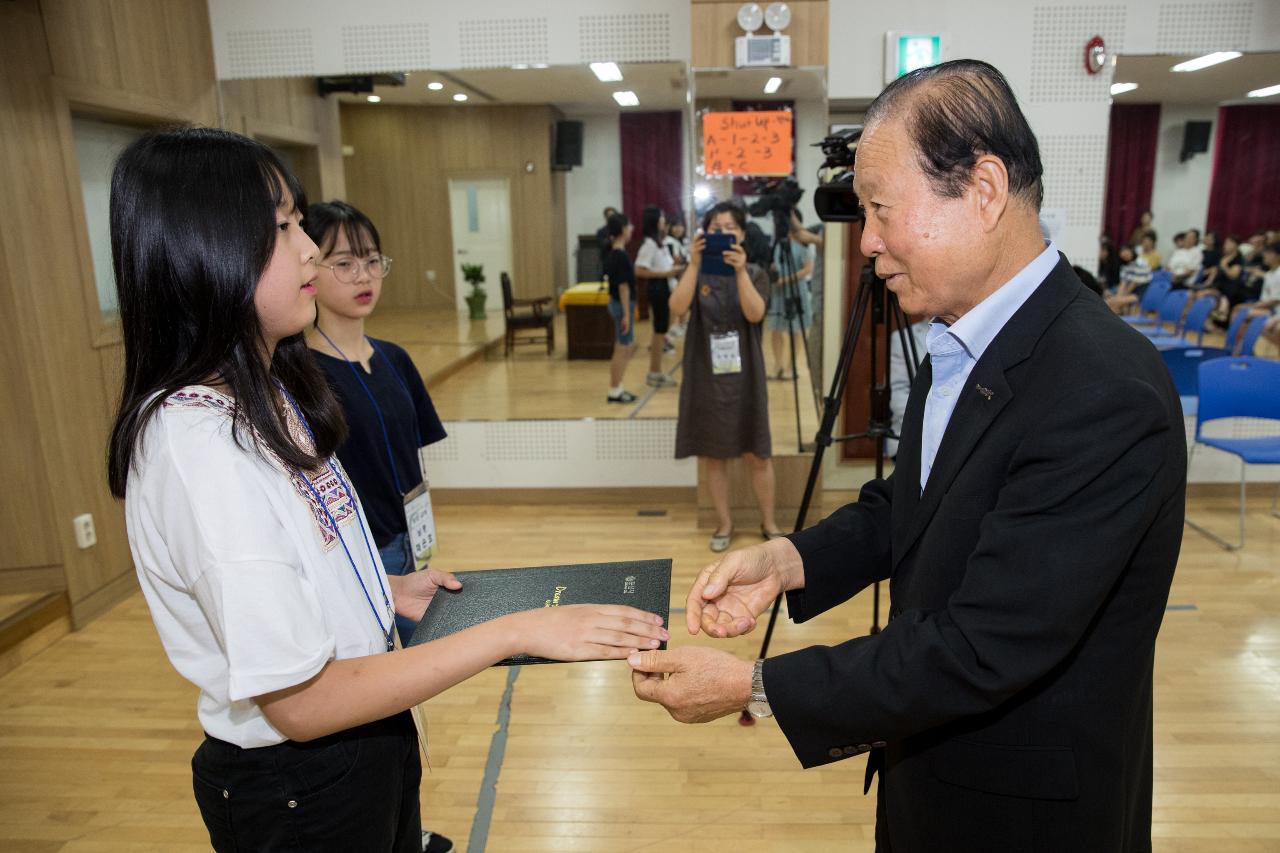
x,y
567,150
1195,139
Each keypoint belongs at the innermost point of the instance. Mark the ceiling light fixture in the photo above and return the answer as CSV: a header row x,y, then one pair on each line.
x,y
1265,93
460,97
606,72
773,85
626,99
435,85
541,65
1121,88
1207,60
520,66
373,99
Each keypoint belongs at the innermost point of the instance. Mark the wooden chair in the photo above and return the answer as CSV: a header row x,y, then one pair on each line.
x,y
534,326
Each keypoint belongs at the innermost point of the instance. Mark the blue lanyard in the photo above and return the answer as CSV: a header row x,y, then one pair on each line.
x,y
351,495
386,436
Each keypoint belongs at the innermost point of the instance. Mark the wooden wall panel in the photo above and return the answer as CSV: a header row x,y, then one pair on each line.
x,y
714,26
288,112
152,57
399,175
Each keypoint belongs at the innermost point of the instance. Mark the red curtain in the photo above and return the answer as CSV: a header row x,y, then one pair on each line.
x,y
1244,195
1131,167
651,164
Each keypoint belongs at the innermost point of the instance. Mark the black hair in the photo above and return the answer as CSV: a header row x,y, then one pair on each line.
x,y
1087,279
324,219
193,228
732,208
955,113
1150,232
616,225
607,214
649,222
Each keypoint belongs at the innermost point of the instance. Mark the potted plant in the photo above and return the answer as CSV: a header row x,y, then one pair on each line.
x,y
474,275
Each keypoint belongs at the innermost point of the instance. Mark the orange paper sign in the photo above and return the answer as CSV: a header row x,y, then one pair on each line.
x,y
746,143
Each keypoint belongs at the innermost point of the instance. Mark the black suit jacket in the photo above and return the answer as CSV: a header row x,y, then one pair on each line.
x,y
1007,702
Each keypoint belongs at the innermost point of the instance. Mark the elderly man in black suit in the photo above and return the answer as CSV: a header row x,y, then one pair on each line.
x,y
1029,531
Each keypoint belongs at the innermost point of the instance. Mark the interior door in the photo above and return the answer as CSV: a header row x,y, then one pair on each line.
x,y
480,212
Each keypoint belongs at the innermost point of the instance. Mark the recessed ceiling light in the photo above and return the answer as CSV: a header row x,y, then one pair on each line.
x,y
460,97
773,85
540,65
626,99
607,72
1121,88
1207,60
435,85
1265,93
373,99
702,192
520,66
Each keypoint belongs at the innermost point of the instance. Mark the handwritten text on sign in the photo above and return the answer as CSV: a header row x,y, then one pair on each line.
x,y
746,143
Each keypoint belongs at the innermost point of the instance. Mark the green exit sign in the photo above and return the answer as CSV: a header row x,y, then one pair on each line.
x,y
905,52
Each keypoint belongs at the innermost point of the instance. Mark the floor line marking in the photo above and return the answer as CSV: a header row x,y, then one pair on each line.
x,y
492,769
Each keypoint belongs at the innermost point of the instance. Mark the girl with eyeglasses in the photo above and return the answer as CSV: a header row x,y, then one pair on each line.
x,y
388,411
250,543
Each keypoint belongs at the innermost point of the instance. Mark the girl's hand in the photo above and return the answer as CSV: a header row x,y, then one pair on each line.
x,y
577,632
412,593
736,257
626,319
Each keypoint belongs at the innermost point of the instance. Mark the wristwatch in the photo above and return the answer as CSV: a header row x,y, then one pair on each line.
x,y
759,705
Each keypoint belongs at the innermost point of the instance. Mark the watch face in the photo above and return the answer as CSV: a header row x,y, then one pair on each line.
x,y
759,709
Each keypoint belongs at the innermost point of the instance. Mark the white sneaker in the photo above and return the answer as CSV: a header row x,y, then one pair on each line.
x,y
660,380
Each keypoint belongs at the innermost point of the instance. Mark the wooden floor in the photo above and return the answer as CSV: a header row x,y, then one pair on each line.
x,y
96,732
529,384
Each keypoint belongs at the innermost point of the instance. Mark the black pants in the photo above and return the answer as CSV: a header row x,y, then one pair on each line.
x,y
659,293
353,790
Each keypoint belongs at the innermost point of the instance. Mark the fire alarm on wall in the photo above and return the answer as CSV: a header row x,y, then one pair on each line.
x,y
1095,55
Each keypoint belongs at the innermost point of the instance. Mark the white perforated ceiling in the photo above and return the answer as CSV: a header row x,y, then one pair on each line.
x,y
1058,36
636,37
269,53
1203,26
500,42
370,48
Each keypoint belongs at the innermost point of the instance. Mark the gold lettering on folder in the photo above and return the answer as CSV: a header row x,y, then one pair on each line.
x,y
554,601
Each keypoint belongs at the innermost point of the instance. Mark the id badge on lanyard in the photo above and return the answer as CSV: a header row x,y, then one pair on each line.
x,y
421,521
726,353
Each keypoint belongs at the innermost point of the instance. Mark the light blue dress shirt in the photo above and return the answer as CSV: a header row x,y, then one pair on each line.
x,y
955,349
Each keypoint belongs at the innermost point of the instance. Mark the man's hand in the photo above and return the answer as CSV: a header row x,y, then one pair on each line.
x,y
695,685
412,593
728,595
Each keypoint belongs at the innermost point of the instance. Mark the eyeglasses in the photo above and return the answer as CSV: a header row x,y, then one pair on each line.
x,y
347,270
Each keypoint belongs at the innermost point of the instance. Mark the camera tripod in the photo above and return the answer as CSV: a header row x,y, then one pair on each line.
x,y
793,308
872,297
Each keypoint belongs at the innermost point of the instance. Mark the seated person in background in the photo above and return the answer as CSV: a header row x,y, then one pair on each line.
x,y
1147,249
1135,275
1143,227
1268,304
1108,263
1229,279
1210,254
1184,263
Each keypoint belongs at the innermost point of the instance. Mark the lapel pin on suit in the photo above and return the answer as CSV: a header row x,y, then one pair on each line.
x,y
985,391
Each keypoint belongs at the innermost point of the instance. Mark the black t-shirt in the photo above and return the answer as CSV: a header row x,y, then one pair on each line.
x,y
619,270
411,421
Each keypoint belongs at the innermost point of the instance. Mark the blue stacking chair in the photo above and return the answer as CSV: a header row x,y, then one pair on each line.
x,y
1195,321
1184,367
1171,311
1229,340
1157,290
1239,387
1252,332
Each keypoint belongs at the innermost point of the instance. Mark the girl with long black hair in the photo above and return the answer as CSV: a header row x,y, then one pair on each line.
x,y
251,547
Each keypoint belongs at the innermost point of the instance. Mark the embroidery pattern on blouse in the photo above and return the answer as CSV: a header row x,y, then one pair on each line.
x,y
327,484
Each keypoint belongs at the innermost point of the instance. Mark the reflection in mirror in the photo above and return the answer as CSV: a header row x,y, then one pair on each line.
x,y
97,144
785,236
487,187
1187,196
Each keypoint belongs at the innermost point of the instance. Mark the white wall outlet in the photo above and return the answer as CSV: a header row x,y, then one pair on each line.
x,y
86,534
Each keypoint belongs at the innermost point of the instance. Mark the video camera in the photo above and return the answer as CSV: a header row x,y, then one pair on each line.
x,y
834,199
778,196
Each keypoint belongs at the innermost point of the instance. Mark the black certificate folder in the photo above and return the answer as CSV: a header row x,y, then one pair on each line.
x,y
642,584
